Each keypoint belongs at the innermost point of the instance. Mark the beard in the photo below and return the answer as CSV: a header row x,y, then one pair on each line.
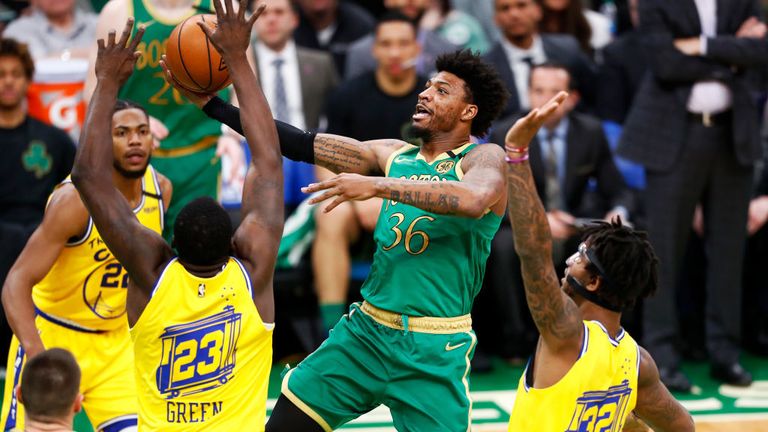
x,y
130,174
416,135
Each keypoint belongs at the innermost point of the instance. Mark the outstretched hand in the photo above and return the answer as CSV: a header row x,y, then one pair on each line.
x,y
116,60
232,34
344,187
522,132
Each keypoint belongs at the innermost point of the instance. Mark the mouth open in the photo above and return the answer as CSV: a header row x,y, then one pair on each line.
x,y
421,112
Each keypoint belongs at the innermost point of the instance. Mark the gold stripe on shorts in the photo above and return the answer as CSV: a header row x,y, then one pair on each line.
x,y
186,150
434,325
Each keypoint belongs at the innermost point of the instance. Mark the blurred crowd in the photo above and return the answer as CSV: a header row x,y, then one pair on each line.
x,y
665,128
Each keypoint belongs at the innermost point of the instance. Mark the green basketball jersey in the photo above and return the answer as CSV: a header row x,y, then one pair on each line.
x,y
428,264
189,129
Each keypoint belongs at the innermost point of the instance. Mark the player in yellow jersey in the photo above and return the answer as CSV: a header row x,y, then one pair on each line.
x,y
587,373
67,290
201,321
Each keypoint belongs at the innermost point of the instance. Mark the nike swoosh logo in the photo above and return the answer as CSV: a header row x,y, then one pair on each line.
x,y
448,346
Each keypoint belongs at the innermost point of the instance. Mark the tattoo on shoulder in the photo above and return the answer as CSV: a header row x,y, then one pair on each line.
x,y
485,157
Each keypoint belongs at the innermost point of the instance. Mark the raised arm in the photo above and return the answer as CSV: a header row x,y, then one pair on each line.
x,y
338,153
257,239
481,188
139,249
655,405
65,218
556,316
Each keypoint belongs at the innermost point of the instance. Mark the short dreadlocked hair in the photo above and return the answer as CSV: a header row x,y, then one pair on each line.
x,y
628,260
202,234
482,84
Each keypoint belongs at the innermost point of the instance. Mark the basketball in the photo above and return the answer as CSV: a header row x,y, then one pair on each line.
x,y
193,59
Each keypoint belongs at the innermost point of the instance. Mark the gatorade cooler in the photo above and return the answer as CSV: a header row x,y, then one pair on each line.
x,y
56,94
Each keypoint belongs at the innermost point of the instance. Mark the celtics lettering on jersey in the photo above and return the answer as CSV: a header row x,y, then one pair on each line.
x,y
601,410
427,264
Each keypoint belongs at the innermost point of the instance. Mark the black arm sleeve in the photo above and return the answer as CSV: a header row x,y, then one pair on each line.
x,y
295,144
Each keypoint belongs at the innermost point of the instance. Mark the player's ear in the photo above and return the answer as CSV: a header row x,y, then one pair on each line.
x,y
470,111
594,284
78,405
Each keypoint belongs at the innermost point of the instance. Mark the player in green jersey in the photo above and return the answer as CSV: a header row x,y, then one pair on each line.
x,y
190,143
409,344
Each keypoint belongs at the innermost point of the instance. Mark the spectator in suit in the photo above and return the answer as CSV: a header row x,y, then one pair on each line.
x,y
624,66
568,152
694,126
522,46
296,82
387,97
360,59
332,25
50,391
55,28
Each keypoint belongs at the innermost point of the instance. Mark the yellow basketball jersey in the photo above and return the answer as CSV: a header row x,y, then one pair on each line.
x,y
597,393
203,354
86,287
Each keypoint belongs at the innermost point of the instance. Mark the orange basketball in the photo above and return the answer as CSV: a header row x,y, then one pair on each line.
x,y
193,59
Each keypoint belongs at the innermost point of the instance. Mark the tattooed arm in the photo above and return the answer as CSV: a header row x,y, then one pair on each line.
x,y
556,316
655,405
481,188
342,154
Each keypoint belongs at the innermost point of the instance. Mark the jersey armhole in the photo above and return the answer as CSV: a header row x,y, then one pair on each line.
x,y
78,240
249,284
158,195
160,278
528,373
392,157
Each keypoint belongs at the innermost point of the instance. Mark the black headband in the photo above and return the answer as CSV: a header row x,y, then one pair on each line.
x,y
591,296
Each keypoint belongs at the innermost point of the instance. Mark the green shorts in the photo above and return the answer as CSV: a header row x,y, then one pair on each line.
x,y
192,176
422,377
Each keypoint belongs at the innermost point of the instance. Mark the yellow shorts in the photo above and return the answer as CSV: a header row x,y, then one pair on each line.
x,y
106,363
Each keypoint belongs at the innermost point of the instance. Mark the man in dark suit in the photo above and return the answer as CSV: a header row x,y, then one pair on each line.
x,y
306,75
522,46
694,126
296,82
581,155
